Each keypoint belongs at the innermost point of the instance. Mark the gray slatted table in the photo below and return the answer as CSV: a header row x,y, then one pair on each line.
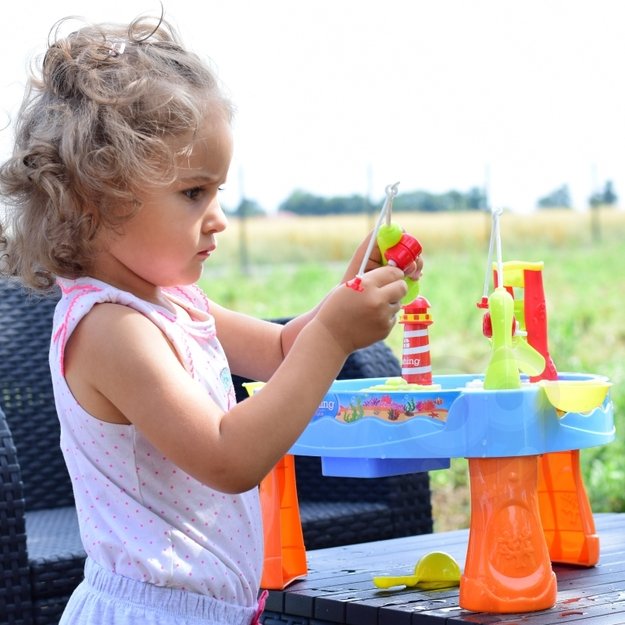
x,y
339,586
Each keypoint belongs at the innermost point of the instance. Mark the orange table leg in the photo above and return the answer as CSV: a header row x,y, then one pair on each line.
x,y
285,554
565,511
507,567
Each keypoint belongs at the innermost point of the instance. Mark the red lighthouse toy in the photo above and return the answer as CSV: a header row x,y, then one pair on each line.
x,y
416,367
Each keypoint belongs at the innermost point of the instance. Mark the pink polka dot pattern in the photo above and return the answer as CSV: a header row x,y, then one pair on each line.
x,y
140,515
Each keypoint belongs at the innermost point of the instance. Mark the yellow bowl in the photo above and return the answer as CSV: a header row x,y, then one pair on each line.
x,y
576,395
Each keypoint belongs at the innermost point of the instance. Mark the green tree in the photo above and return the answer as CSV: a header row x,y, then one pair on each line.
x,y
302,203
607,197
476,199
352,205
559,198
249,208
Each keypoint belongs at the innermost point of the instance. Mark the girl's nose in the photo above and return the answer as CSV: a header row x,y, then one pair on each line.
x,y
215,219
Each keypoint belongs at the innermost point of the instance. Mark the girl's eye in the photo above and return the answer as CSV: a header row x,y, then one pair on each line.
x,y
194,193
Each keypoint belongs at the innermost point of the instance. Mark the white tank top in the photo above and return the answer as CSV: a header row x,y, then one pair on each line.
x,y
140,515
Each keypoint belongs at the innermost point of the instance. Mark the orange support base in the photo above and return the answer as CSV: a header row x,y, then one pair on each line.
x,y
565,511
285,554
507,567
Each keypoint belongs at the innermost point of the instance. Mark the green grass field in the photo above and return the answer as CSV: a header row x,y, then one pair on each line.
x,y
292,263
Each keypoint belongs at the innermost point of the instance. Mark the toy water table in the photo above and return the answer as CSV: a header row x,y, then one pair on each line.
x,y
520,425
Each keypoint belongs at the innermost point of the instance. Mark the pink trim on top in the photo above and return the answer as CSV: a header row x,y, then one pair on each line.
x,y
61,333
89,288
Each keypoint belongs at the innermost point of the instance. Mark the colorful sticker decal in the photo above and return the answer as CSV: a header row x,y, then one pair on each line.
x,y
391,407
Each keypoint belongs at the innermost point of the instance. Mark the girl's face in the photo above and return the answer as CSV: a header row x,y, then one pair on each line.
x,y
167,241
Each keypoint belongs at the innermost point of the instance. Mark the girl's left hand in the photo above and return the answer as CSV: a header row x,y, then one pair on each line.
x,y
415,269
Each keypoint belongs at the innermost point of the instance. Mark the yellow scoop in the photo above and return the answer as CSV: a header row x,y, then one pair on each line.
x,y
434,570
574,395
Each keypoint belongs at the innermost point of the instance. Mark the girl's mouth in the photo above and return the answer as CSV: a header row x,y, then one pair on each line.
x,y
207,252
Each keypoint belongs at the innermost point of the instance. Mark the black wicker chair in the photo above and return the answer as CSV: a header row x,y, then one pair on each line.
x,y
50,551
41,556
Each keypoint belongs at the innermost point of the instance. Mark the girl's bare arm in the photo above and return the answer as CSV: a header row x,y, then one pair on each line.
x,y
122,369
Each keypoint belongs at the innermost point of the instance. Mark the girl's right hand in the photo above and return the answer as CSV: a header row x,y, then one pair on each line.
x,y
357,318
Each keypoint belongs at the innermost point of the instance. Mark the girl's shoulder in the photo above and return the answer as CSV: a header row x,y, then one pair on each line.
x,y
86,292
80,295
79,298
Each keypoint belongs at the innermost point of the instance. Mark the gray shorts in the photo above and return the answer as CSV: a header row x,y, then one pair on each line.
x,y
105,598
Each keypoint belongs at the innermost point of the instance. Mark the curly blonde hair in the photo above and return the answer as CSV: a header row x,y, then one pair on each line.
x,y
96,123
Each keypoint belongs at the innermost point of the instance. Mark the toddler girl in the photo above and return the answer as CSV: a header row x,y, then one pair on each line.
x,y
122,144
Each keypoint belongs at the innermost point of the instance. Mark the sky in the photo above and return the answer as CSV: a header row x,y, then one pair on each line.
x,y
341,97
